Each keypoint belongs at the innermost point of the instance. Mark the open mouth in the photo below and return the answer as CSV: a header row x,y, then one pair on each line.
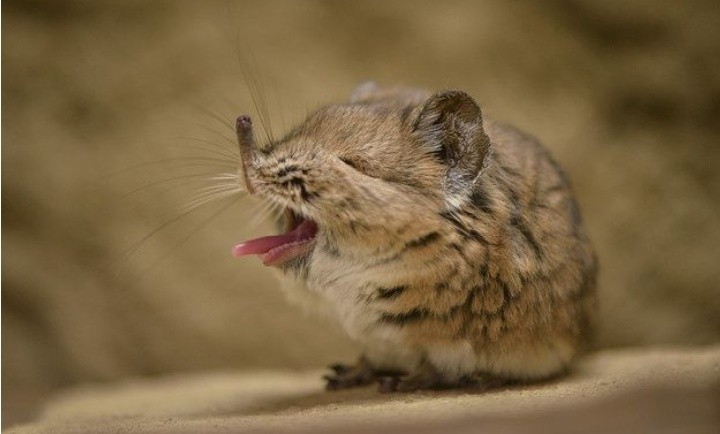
x,y
275,250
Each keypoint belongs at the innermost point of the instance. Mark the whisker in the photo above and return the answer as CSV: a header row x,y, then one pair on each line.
x,y
251,81
252,85
220,147
213,179
177,161
210,197
275,213
262,213
138,202
226,176
261,94
217,151
219,134
184,239
258,108
226,122
256,210
218,184
164,180
213,189
278,103
135,246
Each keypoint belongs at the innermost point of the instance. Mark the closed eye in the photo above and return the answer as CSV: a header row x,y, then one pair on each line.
x,y
361,166
349,163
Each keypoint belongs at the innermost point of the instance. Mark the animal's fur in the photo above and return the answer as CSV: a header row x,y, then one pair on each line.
x,y
449,245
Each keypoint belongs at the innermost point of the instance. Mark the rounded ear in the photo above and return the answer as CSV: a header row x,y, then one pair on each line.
x,y
450,126
364,91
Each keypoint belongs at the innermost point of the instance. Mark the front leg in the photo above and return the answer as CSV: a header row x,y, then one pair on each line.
x,y
361,374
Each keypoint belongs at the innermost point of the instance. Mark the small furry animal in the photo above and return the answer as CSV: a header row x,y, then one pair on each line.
x,y
449,245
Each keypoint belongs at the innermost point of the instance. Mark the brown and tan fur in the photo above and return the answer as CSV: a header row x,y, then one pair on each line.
x,y
449,245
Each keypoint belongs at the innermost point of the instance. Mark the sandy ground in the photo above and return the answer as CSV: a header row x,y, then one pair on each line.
x,y
283,401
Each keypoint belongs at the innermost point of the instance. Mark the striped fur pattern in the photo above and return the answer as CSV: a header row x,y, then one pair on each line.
x,y
449,244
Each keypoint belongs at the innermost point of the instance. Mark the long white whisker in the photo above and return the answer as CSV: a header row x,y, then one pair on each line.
x,y
200,177
177,162
258,214
219,134
180,242
210,197
211,193
214,144
219,152
223,186
263,213
225,122
225,177
164,189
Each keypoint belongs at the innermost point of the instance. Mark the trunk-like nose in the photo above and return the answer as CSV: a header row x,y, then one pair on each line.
x,y
246,141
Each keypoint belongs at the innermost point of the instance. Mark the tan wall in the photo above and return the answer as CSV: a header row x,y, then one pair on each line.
x,y
625,93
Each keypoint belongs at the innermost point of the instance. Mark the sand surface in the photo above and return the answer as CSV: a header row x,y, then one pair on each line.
x,y
275,401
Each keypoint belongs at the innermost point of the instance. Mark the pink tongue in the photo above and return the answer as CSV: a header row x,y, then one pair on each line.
x,y
305,231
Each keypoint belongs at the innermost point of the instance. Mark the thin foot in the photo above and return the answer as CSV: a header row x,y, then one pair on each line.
x,y
347,376
425,377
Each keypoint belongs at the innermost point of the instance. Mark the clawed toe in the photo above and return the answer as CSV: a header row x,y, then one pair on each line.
x,y
339,368
404,385
333,383
346,376
345,382
388,384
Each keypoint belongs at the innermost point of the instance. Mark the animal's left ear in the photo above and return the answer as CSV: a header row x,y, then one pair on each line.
x,y
450,126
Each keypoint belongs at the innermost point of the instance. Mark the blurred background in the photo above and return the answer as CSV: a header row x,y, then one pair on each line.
x,y
116,113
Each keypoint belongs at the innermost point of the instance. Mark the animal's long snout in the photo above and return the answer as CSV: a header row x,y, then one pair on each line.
x,y
246,142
